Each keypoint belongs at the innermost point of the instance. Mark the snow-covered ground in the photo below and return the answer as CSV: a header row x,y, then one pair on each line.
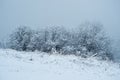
x,y
41,66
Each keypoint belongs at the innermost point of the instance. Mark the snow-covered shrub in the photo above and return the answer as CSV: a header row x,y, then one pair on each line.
x,y
93,38
57,38
20,39
36,41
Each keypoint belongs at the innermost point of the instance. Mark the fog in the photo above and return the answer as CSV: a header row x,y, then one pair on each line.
x,y
69,13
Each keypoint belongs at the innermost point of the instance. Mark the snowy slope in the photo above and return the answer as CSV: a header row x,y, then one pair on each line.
x,y
41,66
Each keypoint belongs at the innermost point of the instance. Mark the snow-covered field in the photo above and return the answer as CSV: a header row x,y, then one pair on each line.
x,y
41,66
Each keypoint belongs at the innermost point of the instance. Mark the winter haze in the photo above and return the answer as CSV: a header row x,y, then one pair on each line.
x,y
69,13
59,39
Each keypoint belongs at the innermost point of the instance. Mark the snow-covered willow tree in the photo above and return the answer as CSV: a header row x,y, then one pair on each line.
x,y
20,38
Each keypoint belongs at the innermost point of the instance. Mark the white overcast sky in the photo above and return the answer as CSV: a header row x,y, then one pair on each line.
x,y
69,13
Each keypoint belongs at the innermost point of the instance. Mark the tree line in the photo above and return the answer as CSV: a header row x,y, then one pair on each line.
x,y
86,40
